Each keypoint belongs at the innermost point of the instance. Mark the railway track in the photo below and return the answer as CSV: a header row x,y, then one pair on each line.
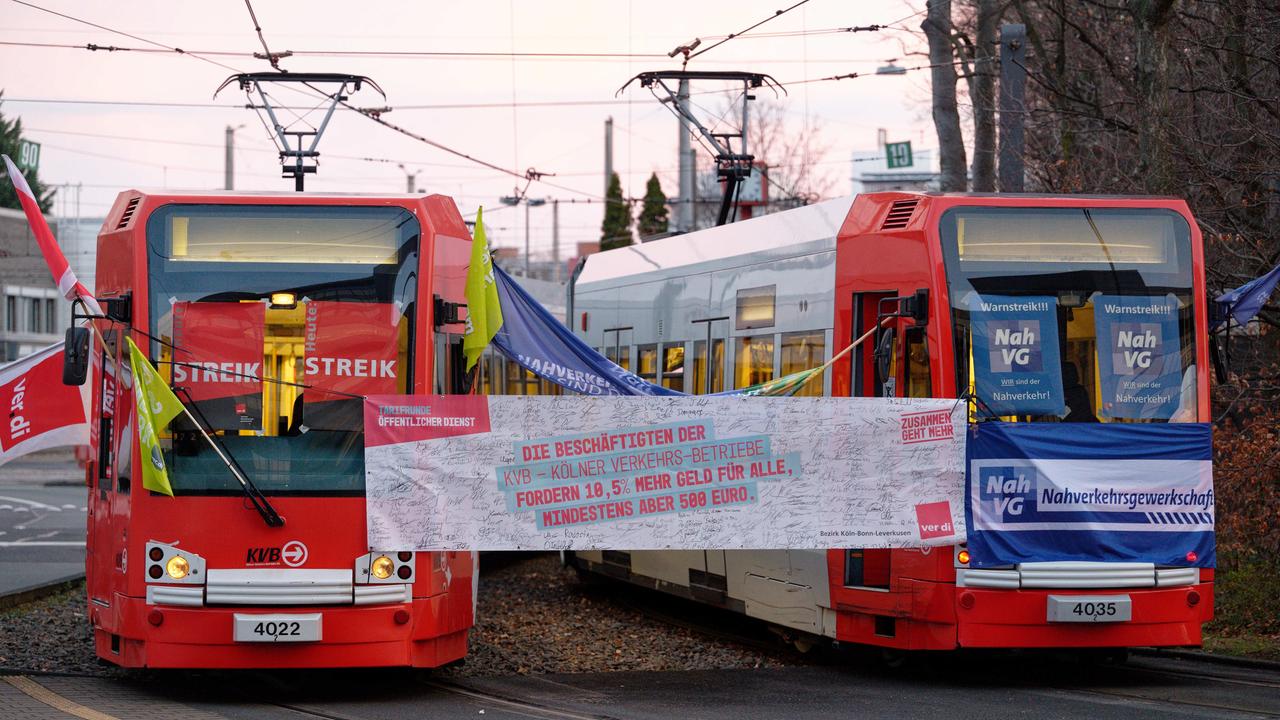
x,y
44,687
1148,680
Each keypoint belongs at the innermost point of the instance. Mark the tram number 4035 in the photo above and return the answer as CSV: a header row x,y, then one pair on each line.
x,y
277,628
1089,608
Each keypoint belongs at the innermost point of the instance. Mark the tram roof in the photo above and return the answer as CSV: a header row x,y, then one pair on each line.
x,y
807,229
275,194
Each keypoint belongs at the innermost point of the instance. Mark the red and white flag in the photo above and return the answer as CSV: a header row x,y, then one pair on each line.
x,y
39,412
70,287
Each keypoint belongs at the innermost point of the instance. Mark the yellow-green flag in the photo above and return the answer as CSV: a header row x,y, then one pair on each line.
x,y
156,405
484,312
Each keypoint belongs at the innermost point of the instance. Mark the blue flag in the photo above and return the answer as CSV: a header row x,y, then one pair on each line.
x,y
1041,492
1246,301
541,344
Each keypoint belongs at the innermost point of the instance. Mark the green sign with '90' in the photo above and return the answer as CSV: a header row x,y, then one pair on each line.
x,y
28,155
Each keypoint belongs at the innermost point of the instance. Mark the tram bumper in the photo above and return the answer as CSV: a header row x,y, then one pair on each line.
x,y
1158,617
424,632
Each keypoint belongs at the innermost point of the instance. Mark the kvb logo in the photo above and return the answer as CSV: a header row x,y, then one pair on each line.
x,y
1136,345
1008,493
293,554
1015,345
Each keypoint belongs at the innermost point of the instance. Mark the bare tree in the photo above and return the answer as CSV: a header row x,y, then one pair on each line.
x,y
978,63
946,116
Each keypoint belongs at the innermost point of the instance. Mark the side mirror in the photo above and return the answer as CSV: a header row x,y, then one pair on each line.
x,y
920,307
884,355
75,356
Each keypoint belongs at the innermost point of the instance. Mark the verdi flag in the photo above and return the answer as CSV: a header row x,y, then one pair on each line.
x,y
70,287
484,312
156,405
43,413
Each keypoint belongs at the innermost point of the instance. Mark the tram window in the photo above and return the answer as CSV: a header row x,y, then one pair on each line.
x,y
673,367
755,307
485,374
618,346
753,363
521,381
918,380
867,568
1091,264
451,375
303,441
647,362
619,355
700,367
803,351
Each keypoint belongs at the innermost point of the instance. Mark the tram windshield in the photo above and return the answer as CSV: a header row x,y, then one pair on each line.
x,y
271,322
1072,314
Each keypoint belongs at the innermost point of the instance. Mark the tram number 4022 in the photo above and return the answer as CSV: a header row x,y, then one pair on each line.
x,y
278,629
293,627
1095,609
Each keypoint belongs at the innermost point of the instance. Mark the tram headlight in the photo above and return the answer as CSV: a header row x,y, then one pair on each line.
x,y
963,557
177,567
382,567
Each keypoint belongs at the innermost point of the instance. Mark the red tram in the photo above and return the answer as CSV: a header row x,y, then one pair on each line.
x,y
741,304
270,314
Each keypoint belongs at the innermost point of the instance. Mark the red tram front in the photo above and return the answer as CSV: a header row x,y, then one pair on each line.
x,y
746,303
271,315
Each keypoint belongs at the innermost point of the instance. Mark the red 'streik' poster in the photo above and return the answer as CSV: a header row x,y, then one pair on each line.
x,y
218,361
349,349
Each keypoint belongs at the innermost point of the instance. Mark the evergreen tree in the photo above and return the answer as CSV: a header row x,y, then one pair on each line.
x,y
653,214
615,232
10,137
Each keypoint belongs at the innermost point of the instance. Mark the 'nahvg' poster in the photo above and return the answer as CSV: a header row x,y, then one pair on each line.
x,y
1138,355
573,473
1016,363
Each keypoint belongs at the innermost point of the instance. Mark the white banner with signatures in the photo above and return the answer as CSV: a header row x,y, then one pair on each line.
x,y
629,473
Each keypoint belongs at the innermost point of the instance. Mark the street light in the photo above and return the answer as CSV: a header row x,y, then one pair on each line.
x,y
891,69
513,200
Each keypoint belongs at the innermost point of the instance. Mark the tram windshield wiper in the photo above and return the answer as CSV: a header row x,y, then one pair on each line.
x,y
251,491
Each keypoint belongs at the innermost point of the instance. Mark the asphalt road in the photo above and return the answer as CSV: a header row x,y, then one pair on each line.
x,y
953,687
42,522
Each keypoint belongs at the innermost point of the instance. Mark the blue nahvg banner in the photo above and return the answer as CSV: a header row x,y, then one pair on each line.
x,y
1139,358
540,343
1016,361
1038,492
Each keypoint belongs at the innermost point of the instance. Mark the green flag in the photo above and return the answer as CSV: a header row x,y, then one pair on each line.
x,y
156,405
785,386
484,312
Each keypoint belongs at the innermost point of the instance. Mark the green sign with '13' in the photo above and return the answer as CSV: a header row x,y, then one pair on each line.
x,y
898,154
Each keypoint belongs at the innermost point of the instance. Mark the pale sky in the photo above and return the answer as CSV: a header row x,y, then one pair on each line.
x,y
182,147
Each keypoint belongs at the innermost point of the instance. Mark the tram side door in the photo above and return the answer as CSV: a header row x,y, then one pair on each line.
x,y
106,554
450,365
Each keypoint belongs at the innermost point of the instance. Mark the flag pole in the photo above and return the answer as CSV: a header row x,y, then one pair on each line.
x,y
817,372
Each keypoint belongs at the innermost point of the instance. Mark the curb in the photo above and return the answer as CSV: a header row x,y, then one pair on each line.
x,y
1212,658
42,590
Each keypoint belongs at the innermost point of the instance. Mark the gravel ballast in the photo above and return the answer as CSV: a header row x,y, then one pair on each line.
x,y
534,617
